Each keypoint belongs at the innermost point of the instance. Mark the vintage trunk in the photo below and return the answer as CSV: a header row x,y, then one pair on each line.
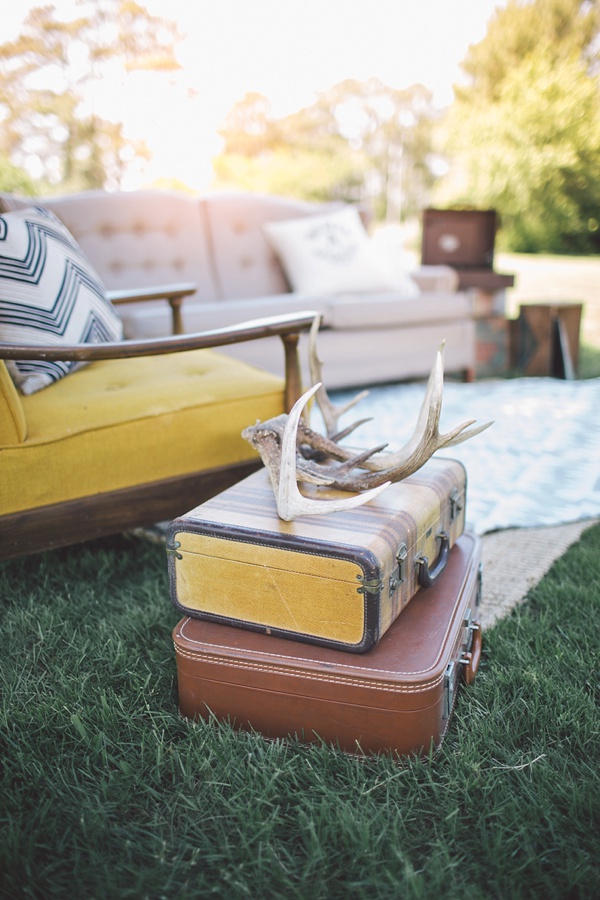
x,y
336,580
461,238
397,698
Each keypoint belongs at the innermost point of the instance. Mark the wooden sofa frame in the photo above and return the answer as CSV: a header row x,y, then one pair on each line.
x,y
96,516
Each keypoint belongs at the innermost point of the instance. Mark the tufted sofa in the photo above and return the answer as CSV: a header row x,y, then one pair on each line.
x,y
217,242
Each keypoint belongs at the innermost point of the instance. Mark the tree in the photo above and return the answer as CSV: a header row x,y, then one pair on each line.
x,y
563,28
393,130
525,133
13,179
359,142
45,79
288,156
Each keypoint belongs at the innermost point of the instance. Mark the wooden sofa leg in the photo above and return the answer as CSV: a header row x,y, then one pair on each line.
x,y
293,378
469,375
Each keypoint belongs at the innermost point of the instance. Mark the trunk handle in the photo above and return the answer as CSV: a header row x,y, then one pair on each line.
x,y
428,576
471,660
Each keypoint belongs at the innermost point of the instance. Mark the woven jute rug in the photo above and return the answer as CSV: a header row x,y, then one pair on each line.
x,y
515,560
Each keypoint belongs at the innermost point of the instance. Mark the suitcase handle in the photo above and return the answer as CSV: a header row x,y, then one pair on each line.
x,y
426,576
470,661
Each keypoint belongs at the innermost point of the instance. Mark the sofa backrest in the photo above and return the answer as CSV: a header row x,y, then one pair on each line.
x,y
245,265
137,239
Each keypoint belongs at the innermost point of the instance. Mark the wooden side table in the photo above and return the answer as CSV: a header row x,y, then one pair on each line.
x,y
548,338
487,294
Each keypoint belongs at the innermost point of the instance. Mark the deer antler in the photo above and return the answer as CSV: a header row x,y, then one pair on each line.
x,y
426,438
424,442
279,454
330,413
293,452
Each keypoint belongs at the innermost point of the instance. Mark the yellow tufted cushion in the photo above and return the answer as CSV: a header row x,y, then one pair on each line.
x,y
126,422
13,427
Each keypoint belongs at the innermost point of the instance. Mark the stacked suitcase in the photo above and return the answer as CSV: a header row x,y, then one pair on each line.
x,y
354,628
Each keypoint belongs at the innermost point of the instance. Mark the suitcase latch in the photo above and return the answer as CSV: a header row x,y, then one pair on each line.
x,y
456,504
449,682
173,549
399,572
369,585
468,626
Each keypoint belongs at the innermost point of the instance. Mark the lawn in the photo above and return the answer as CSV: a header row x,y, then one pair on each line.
x,y
106,792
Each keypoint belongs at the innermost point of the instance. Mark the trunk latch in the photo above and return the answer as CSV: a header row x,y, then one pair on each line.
x,y
398,573
449,681
456,504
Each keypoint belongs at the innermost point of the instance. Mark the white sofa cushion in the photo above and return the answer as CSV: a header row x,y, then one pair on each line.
x,y
332,253
436,278
145,321
391,310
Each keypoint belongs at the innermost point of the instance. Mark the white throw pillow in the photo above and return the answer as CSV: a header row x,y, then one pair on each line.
x,y
330,254
49,294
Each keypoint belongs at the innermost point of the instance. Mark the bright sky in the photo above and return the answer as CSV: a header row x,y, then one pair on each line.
x,y
288,50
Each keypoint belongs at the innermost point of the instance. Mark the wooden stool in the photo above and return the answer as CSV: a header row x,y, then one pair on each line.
x,y
548,338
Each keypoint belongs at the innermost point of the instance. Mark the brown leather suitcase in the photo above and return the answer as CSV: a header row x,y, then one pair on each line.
x,y
337,580
397,698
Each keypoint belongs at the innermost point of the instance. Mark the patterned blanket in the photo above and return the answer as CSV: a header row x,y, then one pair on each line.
x,y
537,465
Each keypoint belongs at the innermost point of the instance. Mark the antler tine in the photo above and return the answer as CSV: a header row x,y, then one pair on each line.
x,y
334,473
417,450
420,447
290,502
469,433
310,452
426,438
330,412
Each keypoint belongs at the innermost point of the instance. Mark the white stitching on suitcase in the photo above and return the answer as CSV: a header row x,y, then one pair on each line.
x,y
305,660
354,682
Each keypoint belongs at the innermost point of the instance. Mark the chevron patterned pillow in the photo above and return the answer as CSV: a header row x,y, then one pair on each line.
x,y
49,294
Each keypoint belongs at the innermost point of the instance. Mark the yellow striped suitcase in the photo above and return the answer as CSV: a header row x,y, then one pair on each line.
x,y
338,580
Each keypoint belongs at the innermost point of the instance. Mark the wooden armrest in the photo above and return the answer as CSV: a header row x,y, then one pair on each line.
x,y
288,327
174,294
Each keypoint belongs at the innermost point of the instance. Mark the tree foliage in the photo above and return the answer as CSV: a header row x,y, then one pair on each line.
x,y
48,121
525,133
13,179
562,28
359,141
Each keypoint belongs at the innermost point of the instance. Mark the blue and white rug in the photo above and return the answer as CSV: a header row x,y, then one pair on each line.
x,y
537,465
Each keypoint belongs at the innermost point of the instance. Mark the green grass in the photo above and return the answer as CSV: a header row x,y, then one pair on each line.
x,y
105,792
589,362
